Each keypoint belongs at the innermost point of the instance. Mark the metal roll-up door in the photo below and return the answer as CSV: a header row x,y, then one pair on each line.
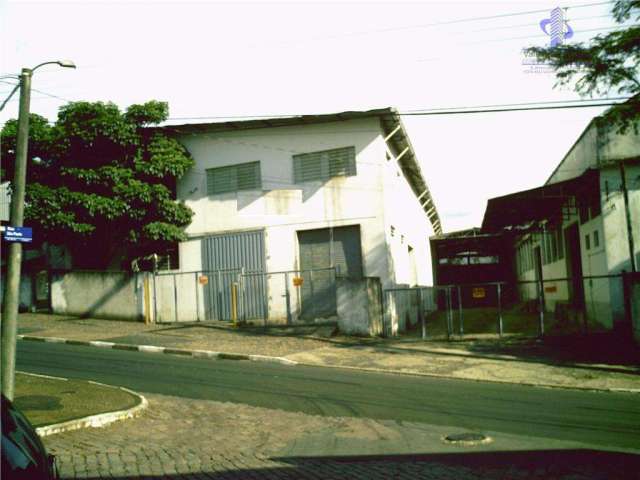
x,y
320,250
347,254
223,258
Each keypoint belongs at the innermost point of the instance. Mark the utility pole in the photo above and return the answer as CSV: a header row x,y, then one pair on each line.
x,y
12,289
9,325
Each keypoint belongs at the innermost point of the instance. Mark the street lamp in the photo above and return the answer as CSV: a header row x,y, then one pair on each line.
x,y
12,290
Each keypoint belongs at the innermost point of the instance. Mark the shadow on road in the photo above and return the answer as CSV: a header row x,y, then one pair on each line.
x,y
556,464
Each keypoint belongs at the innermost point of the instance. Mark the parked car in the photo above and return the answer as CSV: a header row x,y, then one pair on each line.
x,y
23,453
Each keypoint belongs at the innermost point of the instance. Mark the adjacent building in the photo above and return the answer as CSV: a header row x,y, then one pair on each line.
x,y
581,229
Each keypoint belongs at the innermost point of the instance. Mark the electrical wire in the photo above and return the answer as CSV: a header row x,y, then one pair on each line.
x,y
456,21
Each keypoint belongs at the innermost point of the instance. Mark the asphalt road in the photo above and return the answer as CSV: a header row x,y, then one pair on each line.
x,y
601,419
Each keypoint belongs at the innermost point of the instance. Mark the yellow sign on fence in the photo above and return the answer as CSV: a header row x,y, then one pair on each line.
x,y
478,292
297,281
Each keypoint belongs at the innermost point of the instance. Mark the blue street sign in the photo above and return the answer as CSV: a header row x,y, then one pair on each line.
x,y
18,234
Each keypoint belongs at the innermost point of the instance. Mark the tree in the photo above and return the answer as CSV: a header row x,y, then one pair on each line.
x,y
105,183
608,63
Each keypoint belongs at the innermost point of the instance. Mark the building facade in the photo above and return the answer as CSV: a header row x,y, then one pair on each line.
x,y
577,233
341,193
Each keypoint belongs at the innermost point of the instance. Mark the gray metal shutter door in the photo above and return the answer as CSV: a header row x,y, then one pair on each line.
x,y
347,252
318,287
223,257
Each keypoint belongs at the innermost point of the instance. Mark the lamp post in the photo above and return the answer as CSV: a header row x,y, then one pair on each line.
x,y
9,325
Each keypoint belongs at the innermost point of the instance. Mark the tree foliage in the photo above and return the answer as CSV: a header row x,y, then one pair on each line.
x,y
609,63
104,184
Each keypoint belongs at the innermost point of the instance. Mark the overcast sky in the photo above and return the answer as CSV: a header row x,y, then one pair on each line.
x,y
213,59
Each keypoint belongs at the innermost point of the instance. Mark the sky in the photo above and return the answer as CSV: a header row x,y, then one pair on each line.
x,y
229,59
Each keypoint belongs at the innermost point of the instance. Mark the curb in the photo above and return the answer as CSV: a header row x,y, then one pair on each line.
x,y
93,421
286,361
168,350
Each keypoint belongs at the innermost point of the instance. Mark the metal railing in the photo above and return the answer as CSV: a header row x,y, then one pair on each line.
x,y
530,307
267,298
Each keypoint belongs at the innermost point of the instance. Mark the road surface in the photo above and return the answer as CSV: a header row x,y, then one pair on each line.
x,y
610,420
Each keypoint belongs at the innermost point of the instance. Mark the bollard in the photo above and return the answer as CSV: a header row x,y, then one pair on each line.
x,y
197,297
234,304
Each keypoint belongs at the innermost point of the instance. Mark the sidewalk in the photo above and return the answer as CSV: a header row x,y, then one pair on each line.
x,y
584,364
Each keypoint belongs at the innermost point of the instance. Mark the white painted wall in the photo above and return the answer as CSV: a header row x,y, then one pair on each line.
x,y
411,227
283,208
582,155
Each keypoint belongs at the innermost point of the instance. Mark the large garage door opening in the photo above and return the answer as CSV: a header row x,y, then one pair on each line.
x,y
324,254
224,257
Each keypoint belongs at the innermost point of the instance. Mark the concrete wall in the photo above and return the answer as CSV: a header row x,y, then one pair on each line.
x,y
117,295
359,306
178,297
401,310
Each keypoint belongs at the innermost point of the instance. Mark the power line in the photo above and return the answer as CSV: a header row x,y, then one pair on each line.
x,y
501,110
38,91
443,110
547,102
461,20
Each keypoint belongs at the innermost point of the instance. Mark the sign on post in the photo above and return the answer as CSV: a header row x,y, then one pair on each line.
x,y
18,234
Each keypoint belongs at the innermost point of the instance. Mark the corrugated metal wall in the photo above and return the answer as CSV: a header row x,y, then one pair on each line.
x,y
223,258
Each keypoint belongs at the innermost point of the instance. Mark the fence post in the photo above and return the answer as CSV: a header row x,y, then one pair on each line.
x,y
499,310
460,312
175,298
287,295
155,300
541,307
220,296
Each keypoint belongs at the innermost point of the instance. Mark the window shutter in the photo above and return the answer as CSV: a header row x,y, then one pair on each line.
x,y
248,176
342,161
307,167
233,178
324,164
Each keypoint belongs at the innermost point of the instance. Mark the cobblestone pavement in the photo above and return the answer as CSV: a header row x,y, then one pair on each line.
x,y
193,439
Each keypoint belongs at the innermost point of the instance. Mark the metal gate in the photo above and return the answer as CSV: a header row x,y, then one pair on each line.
x,y
226,259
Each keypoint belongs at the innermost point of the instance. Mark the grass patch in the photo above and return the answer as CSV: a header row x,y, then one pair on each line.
x,y
46,401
